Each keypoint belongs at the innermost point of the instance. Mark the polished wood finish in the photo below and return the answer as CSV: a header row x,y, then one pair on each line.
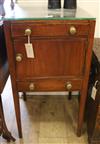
x,y
49,58
60,57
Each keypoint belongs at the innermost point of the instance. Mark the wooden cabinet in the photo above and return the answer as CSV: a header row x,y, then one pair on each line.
x,y
93,105
62,56
93,119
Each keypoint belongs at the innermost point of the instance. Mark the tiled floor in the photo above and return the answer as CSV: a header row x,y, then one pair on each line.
x,y
45,119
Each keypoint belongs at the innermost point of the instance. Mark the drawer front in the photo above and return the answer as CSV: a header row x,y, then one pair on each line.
x,y
18,30
50,85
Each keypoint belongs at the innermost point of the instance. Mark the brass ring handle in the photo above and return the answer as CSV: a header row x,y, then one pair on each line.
x,y
19,57
72,30
31,86
68,86
28,32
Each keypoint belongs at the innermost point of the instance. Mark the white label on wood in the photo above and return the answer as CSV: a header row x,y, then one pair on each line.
x,y
93,94
29,50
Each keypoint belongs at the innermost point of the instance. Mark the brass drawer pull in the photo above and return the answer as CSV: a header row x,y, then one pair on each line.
x,y
19,57
28,32
31,86
72,30
68,86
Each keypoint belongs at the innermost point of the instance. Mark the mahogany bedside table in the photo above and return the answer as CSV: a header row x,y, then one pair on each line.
x,y
49,51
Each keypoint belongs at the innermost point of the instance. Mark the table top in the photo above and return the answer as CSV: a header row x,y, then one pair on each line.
x,y
41,12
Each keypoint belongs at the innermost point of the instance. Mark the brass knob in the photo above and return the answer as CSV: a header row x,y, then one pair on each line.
x,y
19,57
68,86
72,30
28,32
31,86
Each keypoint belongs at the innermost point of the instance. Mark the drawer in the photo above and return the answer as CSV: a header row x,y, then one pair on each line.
x,y
49,85
49,29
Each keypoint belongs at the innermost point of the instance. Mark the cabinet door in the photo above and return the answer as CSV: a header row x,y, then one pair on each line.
x,y
53,57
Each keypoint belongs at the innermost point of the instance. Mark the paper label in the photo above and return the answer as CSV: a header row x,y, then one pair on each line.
x,y
93,94
29,50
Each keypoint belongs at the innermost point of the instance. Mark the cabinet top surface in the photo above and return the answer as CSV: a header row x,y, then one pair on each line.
x,y
41,12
